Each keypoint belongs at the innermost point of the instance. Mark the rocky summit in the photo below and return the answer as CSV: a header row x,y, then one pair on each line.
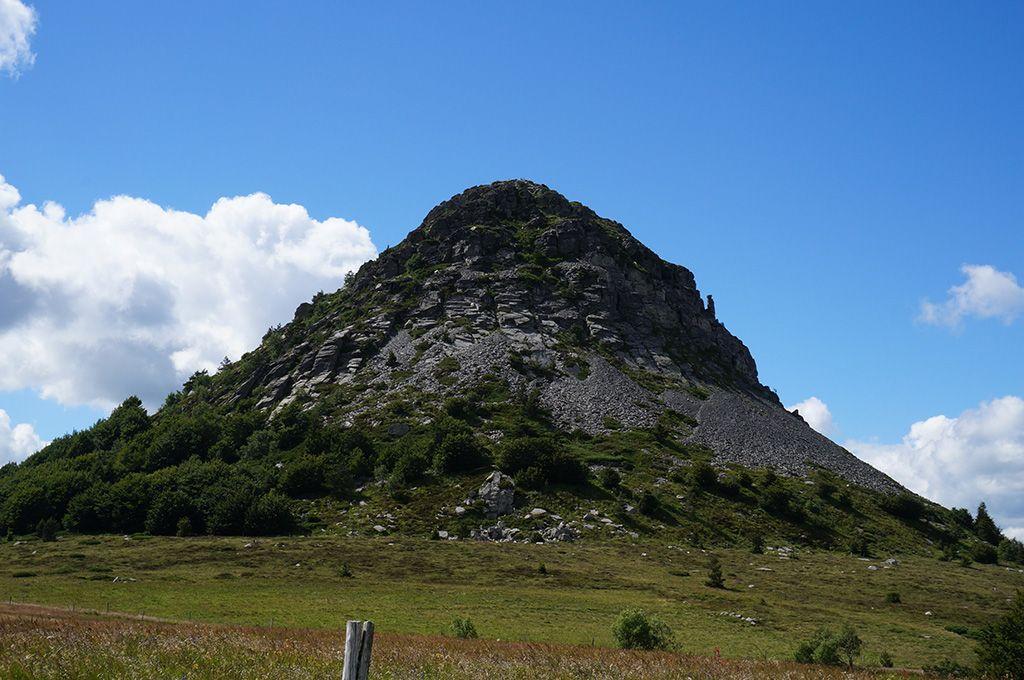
x,y
512,282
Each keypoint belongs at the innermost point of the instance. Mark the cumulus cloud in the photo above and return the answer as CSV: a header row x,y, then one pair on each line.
x,y
975,456
17,25
817,415
18,442
131,297
987,293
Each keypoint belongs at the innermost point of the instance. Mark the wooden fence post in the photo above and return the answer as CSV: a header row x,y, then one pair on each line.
x,y
358,646
364,651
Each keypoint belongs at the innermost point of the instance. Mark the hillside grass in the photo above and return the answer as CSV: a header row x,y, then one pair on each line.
x,y
42,644
417,586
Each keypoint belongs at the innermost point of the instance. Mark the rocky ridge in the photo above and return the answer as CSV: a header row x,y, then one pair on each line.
x,y
512,281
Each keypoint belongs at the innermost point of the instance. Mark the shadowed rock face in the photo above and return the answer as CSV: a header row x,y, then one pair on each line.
x,y
513,280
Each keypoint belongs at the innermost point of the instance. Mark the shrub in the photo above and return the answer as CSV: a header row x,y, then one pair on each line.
x,y
610,478
885,660
947,668
703,476
892,597
903,505
543,461
648,503
756,542
270,515
1001,645
635,629
345,571
1011,550
167,510
47,529
715,578
303,477
984,553
463,628
184,527
830,648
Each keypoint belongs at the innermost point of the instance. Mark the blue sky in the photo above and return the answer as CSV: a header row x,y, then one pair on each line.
x,y
823,168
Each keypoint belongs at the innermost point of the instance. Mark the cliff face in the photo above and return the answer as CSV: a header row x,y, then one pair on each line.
x,y
511,281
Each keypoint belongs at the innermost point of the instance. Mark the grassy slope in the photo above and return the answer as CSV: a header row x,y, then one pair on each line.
x,y
411,585
45,643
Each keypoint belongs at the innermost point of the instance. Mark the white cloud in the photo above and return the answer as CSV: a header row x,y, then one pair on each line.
x,y
131,297
18,442
17,25
987,293
976,456
815,412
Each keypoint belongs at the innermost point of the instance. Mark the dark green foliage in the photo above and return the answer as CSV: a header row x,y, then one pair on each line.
x,y
635,629
47,529
703,476
1001,644
270,515
860,546
885,660
756,542
455,448
985,528
648,503
778,499
464,629
984,553
963,518
892,597
169,508
184,527
345,571
303,477
830,648
542,569
610,478
947,668
715,578
903,505
542,461
1011,550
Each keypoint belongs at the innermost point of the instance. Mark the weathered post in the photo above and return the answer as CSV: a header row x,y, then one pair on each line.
x,y
353,633
358,647
364,651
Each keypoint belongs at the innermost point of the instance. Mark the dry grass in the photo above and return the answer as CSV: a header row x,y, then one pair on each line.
x,y
48,643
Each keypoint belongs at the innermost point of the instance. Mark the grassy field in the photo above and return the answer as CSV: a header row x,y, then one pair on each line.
x,y
417,586
41,643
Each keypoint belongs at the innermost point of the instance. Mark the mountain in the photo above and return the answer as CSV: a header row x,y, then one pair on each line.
x,y
512,280
518,368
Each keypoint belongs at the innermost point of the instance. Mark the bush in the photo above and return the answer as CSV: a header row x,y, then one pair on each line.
x,y
903,505
984,553
635,629
542,459
47,529
1001,645
947,668
270,515
648,503
167,510
703,476
829,648
715,578
303,477
892,598
756,542
184,527
1011,550
885,660
464,629
610,478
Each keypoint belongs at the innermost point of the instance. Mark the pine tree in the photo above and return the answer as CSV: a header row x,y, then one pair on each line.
x,y
985,528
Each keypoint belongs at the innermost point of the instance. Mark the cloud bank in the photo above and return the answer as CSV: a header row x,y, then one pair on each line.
x,y
17,25
131,297
977,455
17,442
987,294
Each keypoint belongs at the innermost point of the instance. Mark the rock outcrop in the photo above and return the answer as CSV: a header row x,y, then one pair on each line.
x,y
513,281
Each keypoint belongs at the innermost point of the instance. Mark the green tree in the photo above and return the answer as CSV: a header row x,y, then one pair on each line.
x,y
985,528
715,578
1001,645
635,629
